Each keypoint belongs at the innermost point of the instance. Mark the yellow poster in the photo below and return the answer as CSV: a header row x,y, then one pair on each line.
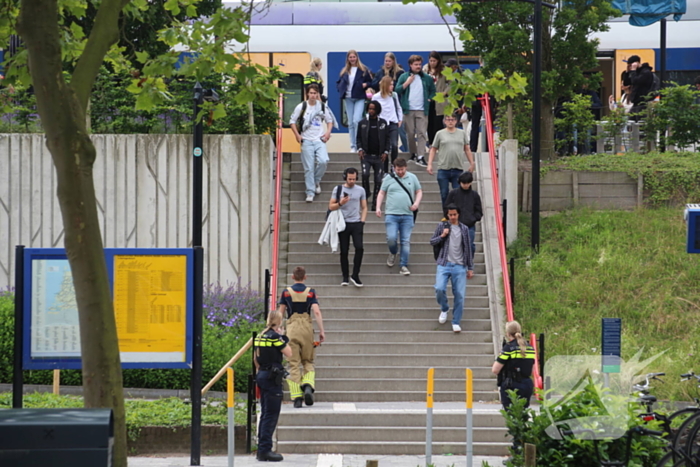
x,y
150,305
621,56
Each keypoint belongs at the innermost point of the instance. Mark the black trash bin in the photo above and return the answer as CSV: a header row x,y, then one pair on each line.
x,y
56,437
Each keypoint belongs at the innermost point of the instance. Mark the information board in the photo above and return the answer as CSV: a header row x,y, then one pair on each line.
x,y
152,291
611,344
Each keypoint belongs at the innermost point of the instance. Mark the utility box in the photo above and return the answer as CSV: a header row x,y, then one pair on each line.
x,y
692,219
56,437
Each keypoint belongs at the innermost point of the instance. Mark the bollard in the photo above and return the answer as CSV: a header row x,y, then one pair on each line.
x,y
429,418
372,463
470,390
530,455
230,403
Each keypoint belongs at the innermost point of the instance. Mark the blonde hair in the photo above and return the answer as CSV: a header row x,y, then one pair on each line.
x,y
394,69
348,66
385,86
274,319
315,65
513,329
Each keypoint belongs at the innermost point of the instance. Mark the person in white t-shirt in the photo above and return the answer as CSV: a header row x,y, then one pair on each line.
x,y
392,113
354,79
312,130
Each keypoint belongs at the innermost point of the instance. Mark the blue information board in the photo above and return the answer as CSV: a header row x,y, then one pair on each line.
x,y
612,344
152,290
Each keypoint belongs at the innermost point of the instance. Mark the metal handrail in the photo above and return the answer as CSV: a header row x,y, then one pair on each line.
x,y
497,206
276,208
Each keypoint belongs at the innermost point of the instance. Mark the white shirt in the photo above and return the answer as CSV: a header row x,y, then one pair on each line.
x,y
351,81
415,94
315,123
391,111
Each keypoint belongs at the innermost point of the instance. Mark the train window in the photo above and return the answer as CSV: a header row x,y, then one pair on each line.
x,y
293,85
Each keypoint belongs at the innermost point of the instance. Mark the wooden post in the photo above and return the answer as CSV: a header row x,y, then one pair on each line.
x,y
509,113
372,463
56,382
526,189
600,139
530,455
574,182
640,191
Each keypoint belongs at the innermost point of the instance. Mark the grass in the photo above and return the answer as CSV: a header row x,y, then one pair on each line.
x,y
614,264
168,412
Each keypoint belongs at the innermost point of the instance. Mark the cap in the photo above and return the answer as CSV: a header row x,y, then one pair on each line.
x,y
633,58
451,62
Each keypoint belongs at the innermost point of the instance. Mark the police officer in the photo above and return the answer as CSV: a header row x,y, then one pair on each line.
x,y
299,301
514,365
270,346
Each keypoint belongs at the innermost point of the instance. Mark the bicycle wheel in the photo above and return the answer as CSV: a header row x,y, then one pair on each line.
x,y
680,439
671,460
692,445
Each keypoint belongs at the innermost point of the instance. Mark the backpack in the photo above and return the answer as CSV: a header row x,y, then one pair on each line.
x,y
300,120
438,247
337,198
655,86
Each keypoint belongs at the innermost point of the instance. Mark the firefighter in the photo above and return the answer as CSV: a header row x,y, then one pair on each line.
x,y
299,301
270,346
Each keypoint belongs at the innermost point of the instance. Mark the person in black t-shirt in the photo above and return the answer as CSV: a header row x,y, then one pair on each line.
x,y
373,146
269,347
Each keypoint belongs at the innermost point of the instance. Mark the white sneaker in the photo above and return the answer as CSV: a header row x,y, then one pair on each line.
x,y
310,198
318,189
443,317
404,271
456,328
391,260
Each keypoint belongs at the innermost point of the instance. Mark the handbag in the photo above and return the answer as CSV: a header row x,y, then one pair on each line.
x,y
398,180
337,198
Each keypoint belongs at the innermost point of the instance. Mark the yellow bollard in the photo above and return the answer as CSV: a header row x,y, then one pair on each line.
x,y
231,422
429,417
469,401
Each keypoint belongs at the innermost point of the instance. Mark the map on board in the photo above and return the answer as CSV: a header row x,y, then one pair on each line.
x,y
55,329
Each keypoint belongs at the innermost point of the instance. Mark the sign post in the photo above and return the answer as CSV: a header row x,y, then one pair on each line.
x,y
611,347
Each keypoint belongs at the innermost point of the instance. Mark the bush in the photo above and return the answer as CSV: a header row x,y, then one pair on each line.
x,y
220,342
675,117
528,426
576,118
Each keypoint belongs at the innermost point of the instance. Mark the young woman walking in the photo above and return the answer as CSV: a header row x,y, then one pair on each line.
x,y
434,68
354,79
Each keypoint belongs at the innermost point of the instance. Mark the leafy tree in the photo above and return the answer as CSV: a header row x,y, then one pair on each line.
x,y
675,117
576,117
501,33
55,42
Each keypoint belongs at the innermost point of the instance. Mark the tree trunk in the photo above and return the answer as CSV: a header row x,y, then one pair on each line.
x,y
62,114
547,151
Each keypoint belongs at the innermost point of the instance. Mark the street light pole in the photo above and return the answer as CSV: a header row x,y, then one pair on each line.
x,y
536,131
197,165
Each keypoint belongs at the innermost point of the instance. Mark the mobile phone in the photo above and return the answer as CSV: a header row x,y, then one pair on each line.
x,y
345,194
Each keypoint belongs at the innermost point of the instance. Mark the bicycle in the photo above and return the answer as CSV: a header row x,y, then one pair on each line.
x,y
628,447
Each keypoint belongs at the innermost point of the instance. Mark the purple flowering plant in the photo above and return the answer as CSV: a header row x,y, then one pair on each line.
x,y
232,305
7,292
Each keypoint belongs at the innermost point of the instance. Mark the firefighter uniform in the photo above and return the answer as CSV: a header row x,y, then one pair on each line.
x,y
298,299
516,372
268,353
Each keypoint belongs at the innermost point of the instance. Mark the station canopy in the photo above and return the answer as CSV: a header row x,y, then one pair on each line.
x,y
646,12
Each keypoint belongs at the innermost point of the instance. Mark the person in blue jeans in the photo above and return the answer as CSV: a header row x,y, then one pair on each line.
x,y
451,146
354,80
403,194
454,263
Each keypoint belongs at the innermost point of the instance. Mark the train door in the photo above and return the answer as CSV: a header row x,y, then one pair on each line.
x,y
621,55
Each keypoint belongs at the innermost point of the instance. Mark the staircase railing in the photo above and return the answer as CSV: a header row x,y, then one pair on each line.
x,y
277,176
507,296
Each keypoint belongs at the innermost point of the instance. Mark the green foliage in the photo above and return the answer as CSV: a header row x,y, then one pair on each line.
x,y
219,345
169,412
615,122
522,120
669,178
613,264
528,426
18,110
576,116
678,111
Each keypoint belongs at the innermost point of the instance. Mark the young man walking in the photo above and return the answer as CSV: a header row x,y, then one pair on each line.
x,y
403,196
311,123
351,199
373,146
451,146
297,303
454,263
416,89
469,203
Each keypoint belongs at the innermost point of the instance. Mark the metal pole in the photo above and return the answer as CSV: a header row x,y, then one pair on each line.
x,y
662,73
267,294
511,278
470,428
429,418
231,422
504,221
196,374
17,374
541,356
536,116
249,415
198,153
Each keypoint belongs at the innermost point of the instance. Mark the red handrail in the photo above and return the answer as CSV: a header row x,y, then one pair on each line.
x,y
276,212
501,234
497,206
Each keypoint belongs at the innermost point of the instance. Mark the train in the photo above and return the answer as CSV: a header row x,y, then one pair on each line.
x,y
290,34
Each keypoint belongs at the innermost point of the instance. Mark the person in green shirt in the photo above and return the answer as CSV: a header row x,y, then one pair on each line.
x,y
451,147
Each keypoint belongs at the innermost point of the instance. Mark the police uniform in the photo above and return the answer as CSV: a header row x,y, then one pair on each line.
x,y
516,372
268,353
298,299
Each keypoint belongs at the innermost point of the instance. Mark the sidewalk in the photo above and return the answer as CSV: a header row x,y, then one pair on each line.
x,y
318,460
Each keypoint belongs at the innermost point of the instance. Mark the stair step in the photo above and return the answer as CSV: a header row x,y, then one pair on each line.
x,y
397,396
445,360
312,230
369,384
409,324
373,337
333,278
398,448
388,434
381,301
420,254
370,247
422,348
402,372
370,265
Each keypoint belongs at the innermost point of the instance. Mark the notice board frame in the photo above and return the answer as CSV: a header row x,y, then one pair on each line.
x,y
63,363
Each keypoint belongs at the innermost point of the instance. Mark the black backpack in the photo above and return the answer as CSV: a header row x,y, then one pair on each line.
x,y
438,247
300,120
655,86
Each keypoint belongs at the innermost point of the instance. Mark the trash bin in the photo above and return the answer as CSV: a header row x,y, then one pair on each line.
x,y
56,437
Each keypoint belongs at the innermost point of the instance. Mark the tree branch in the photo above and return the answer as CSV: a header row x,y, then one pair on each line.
x,y
104,33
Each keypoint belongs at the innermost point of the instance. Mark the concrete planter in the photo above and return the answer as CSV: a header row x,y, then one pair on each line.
x,y
173,441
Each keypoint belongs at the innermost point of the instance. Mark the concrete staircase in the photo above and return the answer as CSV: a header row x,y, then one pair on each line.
x,y
382,338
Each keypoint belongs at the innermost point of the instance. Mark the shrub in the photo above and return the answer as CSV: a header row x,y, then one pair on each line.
x,y
231,305
576,118
675,117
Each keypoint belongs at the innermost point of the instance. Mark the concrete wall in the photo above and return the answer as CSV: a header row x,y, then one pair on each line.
x,y
598,190
144,192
